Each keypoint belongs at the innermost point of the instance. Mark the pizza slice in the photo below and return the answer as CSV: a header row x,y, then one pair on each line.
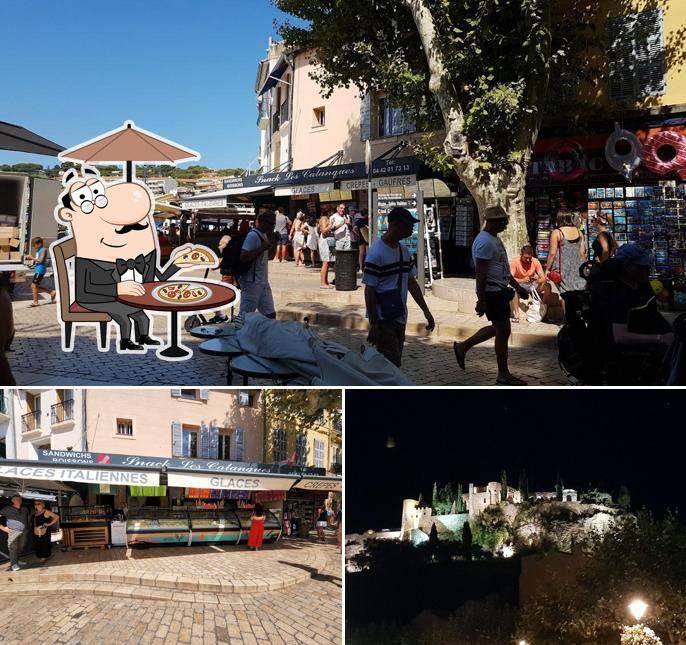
x,y
195,256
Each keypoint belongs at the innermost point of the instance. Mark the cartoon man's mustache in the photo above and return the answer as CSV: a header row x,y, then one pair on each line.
x,y
131,227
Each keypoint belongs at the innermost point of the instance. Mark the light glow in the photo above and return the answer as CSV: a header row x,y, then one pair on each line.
x,y
638,609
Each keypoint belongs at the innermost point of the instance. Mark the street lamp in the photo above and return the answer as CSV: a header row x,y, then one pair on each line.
x,y
637,609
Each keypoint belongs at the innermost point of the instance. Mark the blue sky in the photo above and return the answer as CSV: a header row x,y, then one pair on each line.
x,y
184,70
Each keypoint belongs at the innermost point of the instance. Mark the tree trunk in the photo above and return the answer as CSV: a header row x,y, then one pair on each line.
x,y
506,190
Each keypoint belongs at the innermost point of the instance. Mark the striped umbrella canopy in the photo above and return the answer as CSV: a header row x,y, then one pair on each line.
x,y
129,144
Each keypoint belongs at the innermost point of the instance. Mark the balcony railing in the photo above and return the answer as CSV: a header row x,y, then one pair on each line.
x,y
283,112
62,412
337,468
276,122
30,421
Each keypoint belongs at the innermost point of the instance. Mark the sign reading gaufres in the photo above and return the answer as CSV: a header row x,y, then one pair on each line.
x,y
133,461
326,174
85,475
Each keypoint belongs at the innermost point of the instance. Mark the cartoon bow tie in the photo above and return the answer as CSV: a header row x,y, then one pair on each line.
x,y
123,266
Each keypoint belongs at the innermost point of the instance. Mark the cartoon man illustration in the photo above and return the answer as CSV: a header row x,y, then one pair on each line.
x,y
117,249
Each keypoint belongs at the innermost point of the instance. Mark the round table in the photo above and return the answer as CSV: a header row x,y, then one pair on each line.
x,y
226,346
221,295
220,330
258,367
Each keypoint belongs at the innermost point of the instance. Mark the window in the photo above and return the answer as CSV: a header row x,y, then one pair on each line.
x,y
238,434
189,443
124,428
245,398
279,445
318,453
391,121
189,394
336,455
224,447
301,449
636,57
319,117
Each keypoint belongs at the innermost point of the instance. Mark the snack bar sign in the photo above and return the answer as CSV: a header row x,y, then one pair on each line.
x,y
84,475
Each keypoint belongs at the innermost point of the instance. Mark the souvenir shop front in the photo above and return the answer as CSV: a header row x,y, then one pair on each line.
x,y
306,498
633,175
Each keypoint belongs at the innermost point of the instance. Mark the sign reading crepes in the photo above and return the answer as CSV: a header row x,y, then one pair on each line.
x,y
320,484
232,481
85,475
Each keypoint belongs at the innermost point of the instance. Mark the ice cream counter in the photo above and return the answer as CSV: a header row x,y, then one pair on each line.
x,y
192,526
85,526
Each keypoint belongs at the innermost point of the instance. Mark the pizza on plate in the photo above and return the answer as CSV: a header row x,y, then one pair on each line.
x,y
195,257
184,293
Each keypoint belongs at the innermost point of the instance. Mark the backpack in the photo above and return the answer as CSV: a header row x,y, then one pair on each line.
x,y
231,257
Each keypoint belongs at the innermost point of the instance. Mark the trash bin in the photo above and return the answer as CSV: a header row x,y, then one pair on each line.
x,y
346,270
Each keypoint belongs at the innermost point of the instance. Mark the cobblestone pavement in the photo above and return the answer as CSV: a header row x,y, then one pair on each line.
x,y
428,360
309,612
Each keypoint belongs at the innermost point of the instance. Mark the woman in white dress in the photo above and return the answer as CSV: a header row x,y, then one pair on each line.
x,y
298,229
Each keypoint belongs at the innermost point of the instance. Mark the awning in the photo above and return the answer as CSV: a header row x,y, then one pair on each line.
x,y
84,475
40,484
230,481
320,483
14,137
275,75
167,208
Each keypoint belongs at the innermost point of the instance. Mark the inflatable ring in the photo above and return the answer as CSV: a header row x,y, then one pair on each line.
x,y
628,162
572,149
666,139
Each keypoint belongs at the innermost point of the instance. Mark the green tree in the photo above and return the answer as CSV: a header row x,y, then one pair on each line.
x,y
474,74
460,501
559,488
503,485
30,168
433,535
523,485
467,540
638,555
304,407
624,497
434,496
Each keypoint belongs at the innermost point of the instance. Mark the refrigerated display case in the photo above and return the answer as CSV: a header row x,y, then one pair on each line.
x,y
215,526
85,526
158,526
272,525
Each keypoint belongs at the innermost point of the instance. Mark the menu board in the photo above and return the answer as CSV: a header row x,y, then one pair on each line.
x,y
386,203
464,222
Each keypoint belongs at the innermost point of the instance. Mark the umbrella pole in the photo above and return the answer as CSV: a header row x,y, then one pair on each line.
x,y
129,171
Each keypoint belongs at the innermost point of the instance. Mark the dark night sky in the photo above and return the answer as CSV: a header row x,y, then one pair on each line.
x,y
602,437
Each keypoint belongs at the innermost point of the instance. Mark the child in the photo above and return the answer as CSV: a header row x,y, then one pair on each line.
x,y
41,260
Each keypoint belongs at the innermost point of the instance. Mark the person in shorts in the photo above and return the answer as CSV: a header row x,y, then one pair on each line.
x,y
529,274
495,288
258,247
282,230
40,258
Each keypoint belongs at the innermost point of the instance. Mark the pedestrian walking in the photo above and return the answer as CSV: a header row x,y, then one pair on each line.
x,y
321,524
604,245
17,517
312,240
361,229
389,274
256,528
43,519
298,230
282,228
258,248
325,247
40,258
495,288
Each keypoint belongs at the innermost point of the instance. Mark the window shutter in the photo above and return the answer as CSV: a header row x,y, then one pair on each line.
x,y
650,55
238,434
366,117
204,448
397,121
177,439
176,391
204,395
621,57
213,449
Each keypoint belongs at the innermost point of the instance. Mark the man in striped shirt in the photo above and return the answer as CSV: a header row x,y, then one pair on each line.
x,y
389,273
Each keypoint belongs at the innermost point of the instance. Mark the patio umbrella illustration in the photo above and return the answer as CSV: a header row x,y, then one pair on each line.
x,y
14,137
128,144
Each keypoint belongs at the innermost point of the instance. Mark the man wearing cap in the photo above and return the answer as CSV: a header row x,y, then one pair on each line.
x,y
389,274
495,288
17,521
631,302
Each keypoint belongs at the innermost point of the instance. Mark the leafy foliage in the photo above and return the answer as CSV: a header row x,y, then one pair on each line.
x,y
302,407
637,556
490,529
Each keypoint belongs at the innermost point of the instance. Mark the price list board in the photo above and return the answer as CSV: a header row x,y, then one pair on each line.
x,y
464,222
386,203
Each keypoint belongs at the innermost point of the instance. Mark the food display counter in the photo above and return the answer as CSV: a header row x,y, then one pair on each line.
x,y
85,526
215,526
158,526
272,525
